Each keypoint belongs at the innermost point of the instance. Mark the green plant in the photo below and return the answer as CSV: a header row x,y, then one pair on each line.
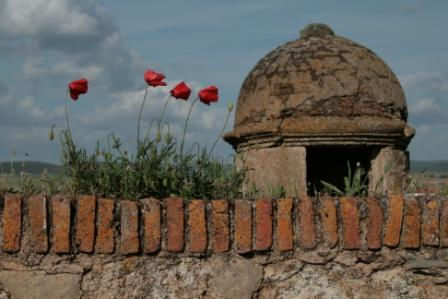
x,y
444,189
29,185
159,167
276,191
414,182
353,185
379,185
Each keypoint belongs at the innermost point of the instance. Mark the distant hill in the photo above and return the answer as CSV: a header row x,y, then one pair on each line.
x,y
35,167
429,166
32,167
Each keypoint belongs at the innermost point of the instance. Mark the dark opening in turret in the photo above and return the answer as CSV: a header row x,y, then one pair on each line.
x,y
329,164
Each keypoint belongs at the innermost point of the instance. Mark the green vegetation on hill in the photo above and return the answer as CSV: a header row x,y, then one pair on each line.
x,y
36,167
430,166
31,167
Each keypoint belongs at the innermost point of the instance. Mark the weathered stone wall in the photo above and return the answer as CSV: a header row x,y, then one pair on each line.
x,y
287,248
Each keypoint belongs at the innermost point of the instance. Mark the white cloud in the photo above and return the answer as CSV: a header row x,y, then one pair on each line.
x,y
3,89
25,112
125,107
425,106
57,41
31,18
53,42
426,97
436,81
35,67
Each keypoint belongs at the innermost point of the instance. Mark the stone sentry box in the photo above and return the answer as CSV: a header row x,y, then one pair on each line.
x,y
313,104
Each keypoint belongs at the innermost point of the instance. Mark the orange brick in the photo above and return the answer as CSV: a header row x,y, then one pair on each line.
x,y
444,223
175,224
243,226
12,222
37,211
307,235
394,221
152,225
105,239
220,223
350,221
129,242
430,225
198,226
411,224
60,208
263,224
374,224
85,223
328,216
284,225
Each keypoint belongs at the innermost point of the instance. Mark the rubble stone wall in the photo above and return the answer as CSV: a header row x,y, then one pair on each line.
x,y
55,247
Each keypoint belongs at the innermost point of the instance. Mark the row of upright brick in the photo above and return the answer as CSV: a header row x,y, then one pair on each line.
x,y
107,226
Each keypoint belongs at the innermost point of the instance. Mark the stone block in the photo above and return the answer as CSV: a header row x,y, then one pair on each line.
x,y
197,226
287,168
444,223
243,226
329,220
410,238
85,223
105,239
220,224
61,215
285,240
129,243
37,212
263,224
307,226
374,224
430,225
12,222
350,223
394,221
152,225
40,285
175,224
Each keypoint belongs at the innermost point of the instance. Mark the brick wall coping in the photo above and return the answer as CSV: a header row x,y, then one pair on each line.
x,y
198,227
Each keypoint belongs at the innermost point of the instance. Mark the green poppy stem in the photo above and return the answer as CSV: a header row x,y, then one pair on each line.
x,y
140,116
66,116
220,134
68,134
167,100
186,123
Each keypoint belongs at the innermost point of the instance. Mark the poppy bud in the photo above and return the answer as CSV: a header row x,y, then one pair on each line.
x,y
168,138
181,91
208,95
229,106
154,79
78,87
51,133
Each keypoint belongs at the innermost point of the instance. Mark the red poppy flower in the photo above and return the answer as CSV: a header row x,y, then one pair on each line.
x,y
181,91
78,87
208,95
154,79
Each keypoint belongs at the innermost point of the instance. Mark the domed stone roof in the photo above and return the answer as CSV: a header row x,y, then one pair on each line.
x,y
321,89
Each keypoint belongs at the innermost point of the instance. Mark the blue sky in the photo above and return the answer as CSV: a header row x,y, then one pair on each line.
x,y
44,44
